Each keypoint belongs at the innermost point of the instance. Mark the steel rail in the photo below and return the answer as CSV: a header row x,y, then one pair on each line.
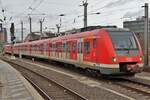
x,y
43,93
141,90
80,97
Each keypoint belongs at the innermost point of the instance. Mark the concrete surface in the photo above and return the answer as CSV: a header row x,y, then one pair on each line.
x,y
14,86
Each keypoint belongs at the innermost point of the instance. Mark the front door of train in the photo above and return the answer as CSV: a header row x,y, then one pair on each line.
x,y
80,51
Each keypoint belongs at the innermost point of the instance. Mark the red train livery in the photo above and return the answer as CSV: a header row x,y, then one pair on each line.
x,y
109,51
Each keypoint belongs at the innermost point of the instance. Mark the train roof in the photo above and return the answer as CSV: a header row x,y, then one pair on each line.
x,y
92,33
89,33
117,29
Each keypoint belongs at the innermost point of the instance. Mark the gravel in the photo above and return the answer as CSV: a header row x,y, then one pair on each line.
x,y
93,89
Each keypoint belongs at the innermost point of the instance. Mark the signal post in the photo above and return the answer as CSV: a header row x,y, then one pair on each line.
x,y
12,28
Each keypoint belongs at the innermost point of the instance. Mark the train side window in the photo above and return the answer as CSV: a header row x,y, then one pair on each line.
x,y
94,43
60,47
56,47
64,47
45,47
35,48
32,47
68,47
80,47
53,47
39,47
74,47
50,46
87,47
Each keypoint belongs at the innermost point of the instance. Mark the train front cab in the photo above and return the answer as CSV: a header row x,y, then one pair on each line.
x,y
124,54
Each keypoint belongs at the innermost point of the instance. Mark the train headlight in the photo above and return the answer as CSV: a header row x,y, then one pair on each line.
x,y
141,58
114,59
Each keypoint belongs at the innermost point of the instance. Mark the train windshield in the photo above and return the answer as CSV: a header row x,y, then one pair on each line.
x,y
124,43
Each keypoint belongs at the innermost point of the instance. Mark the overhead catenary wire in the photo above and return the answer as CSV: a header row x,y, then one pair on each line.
x,y
33,8
71,12
110,11
106,13
95,3
26,10
113,4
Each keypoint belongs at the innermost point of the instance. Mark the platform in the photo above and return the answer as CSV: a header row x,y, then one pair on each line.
x,y
13,86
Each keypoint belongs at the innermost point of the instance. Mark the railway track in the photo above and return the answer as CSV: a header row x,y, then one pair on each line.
x,y
134,86
128,84
51,90
42,93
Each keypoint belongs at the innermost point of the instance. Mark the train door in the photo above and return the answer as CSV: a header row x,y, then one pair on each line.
x,y
80,51
64,50
60,51
87,50
45,49
30,49
57,50
41,49
68,50
49,49
53,50
74,50
38,49
94,51
35,49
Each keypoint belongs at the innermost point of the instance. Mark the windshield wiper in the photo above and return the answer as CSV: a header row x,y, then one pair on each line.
x,y
121,48
130,45
126,48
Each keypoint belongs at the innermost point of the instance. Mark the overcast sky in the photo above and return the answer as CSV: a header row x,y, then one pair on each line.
x,y
113,12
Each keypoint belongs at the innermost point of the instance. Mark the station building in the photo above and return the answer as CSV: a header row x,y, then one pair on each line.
x,y
137,26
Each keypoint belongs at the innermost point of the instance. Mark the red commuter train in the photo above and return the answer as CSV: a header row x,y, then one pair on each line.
x,y
109,51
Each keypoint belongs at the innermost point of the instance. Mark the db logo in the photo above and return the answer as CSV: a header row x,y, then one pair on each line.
x,y
129,59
